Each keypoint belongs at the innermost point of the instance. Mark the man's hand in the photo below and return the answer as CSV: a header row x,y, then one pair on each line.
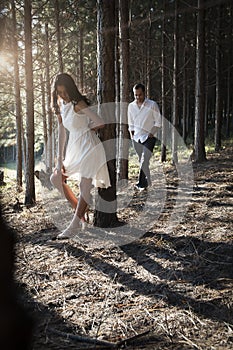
x,y
131,134
153,131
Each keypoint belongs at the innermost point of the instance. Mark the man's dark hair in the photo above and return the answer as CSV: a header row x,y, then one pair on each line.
x,y
139,86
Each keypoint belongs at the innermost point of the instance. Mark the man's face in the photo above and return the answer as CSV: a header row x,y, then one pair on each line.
x,y
139,95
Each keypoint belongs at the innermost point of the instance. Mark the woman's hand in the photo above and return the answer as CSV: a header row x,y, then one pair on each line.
x,y
60,167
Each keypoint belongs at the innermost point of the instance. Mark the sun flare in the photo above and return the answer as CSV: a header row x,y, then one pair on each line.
x,y
5,61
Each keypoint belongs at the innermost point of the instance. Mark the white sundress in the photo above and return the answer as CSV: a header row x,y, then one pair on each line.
x,y
85,154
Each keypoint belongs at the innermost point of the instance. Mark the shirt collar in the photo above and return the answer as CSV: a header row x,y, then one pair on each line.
x,y
143,104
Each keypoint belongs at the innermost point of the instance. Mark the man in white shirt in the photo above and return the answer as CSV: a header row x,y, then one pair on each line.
x,y
144,119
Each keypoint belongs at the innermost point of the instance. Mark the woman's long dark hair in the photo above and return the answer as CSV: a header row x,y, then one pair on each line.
x,y
71,89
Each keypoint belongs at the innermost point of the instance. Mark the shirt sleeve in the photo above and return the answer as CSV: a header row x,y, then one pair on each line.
x,y
130,118
157,115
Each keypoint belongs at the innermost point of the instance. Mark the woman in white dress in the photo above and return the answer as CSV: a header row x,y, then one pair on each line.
x,y
84,156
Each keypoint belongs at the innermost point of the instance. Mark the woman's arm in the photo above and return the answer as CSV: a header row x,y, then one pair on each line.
x,y
96,121
61,143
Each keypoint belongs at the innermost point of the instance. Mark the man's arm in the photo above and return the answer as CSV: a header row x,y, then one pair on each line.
x,y
153,131
157,120
130,122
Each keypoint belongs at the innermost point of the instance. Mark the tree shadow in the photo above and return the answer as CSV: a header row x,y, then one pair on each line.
x,y
201,263
199,253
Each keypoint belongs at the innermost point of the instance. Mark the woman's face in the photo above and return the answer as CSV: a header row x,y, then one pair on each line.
x,y
61,91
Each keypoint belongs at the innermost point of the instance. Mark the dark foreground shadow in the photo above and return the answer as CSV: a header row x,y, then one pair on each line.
x,y
203,263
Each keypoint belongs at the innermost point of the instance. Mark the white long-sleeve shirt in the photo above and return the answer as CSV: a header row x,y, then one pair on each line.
x,y
142,119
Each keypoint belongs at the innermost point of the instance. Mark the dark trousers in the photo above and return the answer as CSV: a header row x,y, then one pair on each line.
x,y
144,151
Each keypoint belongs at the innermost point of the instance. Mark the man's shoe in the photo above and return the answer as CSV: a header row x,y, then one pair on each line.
x,y
139,188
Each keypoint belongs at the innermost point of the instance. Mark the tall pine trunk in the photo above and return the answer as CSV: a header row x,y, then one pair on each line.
x,y
218,87
29,175
106,217
58,33
80,64
163,88
184,92
49,115
18,110
43,107
199,132
229,79
124,87
175,89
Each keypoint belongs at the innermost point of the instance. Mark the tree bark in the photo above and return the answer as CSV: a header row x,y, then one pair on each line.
x,y
49,115
175,89
218,87
58,33
81,63
18,110
106,97
184,93
43,106
229,78
29,175
163,88
199,132
124,87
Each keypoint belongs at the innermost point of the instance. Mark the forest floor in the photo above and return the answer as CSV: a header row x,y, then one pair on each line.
x,y
167,289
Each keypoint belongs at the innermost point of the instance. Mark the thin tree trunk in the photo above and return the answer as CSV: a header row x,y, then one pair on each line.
x,y
206,94
163,88
229,78
58,33
199,145
43,106
148,55
184,102
218,97
175,90
29,176
49,115
80,60
124,86
117,89
18,110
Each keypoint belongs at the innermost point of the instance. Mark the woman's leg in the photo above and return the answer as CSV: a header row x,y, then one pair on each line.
x,y
58,181
84,198
70,196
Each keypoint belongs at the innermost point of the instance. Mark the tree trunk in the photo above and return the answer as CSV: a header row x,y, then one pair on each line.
x,y
163,88
58,33
106,99
81,63
184,101
148,60
229,79
124,87
19,155
175,90
218,90
43,106
199,132
117,89
29,175
49,115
